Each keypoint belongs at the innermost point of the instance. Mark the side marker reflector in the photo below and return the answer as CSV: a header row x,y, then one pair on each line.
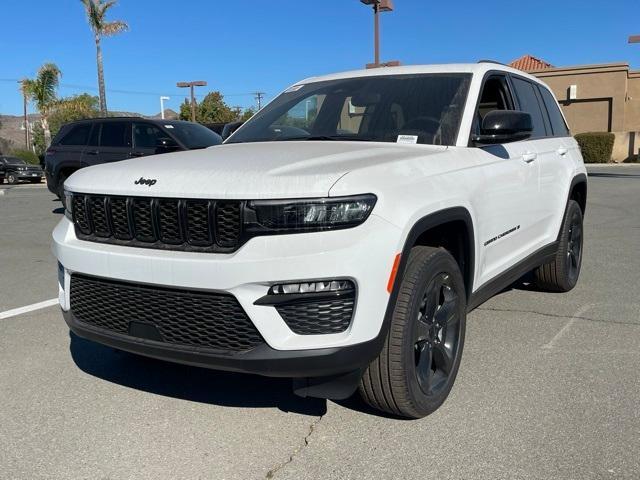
x,y
394,272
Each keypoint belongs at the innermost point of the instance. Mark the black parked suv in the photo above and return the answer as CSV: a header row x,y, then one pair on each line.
x,y
100,140
13,170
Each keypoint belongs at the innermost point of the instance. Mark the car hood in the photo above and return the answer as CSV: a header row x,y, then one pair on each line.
x,y
292,169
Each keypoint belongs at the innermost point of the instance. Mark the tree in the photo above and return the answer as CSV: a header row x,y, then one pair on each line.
x,y
65,110
42,91
212,109
247,114
96,16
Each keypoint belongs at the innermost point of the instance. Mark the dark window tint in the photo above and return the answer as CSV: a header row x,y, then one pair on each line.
x,y
146,135
77,135
529,104
115,134
557,120
95,135
193,135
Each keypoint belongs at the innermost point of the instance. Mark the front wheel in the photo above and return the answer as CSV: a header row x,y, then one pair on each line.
x,y
12,179
417,367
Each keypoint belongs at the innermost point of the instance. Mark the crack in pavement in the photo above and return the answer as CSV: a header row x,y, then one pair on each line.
x,y
554,315
273,471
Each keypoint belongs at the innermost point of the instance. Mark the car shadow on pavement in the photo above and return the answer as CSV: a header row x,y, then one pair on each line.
x,y
59,210
614,175
194,384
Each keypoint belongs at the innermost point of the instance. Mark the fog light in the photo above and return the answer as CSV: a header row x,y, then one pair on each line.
x,y
312,287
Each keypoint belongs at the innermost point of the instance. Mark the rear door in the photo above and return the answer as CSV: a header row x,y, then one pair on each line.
x,y
113,139
550,152
556,169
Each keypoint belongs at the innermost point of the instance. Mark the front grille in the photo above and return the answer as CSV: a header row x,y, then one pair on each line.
x,y
213,321
319,316
164,223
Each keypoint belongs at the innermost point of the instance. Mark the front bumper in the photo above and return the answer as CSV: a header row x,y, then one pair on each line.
x,y
364,255
262,360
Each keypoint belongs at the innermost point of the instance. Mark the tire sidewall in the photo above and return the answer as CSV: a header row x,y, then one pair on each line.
x,y
574,212
441,263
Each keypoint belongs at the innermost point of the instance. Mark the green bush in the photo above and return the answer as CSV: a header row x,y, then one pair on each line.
x,y
26,155
597,147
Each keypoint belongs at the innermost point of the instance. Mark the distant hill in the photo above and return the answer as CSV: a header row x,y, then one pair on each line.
x,y
11,135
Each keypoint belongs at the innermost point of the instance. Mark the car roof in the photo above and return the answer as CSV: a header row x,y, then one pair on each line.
x,y
136,119
479,68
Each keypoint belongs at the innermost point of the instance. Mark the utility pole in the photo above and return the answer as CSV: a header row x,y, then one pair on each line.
x,y
198,83
25,118
259,96
378,6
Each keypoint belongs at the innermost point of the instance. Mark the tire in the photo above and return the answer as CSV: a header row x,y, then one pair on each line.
x,y
419,361
60,190
561,275
12,179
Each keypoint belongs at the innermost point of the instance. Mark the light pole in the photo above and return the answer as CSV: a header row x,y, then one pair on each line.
x,y
378,6
162,99
198,83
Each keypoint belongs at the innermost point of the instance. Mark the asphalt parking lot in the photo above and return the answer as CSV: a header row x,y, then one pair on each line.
x,y
549,386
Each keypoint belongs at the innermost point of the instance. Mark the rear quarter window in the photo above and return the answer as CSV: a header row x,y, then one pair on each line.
x,y
77,135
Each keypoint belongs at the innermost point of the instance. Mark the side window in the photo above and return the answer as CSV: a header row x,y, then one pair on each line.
x,y
146,135
558,124
495,96
115,134
95,135
526,94
78,135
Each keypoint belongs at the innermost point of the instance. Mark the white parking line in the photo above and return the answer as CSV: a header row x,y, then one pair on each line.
x,y
579,313
28,308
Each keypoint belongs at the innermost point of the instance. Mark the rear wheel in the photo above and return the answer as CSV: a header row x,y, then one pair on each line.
x,y
417,367
12,179
561,275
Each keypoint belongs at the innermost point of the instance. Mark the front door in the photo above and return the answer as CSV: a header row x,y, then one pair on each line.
x,y
506,205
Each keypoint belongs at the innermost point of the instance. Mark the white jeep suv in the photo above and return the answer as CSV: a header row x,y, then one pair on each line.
x,y
339,237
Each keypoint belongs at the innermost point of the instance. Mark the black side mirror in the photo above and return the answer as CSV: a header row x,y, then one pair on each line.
x,y
166,143
229,128
504,126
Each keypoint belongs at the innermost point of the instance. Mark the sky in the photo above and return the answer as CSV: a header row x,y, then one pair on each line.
x,y
244,46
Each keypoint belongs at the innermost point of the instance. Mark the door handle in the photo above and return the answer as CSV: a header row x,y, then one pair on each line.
x,y
136,154
562,151
91,152
529,157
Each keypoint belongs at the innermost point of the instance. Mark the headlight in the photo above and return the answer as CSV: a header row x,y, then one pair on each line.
x,y
68,199
312,214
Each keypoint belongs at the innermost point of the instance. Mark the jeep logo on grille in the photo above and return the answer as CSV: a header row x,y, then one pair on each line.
x,y
146,181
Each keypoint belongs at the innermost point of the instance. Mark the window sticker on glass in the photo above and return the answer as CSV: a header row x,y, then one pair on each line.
x,y
168,126
295,88
407,139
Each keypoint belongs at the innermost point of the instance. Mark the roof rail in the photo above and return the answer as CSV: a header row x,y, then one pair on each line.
x,y
492,61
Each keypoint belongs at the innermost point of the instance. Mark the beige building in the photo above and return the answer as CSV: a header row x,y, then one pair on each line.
x,y
595,98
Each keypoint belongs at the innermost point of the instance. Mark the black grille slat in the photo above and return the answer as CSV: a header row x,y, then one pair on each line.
x,y
161,223
184,318
80,216
98,210
169,222
318,317
199,223
143,220
228,223
120,218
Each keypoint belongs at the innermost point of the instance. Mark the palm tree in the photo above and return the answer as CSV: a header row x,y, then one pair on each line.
x,y
42,91
96,12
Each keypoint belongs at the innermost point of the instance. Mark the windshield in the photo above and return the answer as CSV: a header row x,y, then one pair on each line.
x,y
193,135
424,109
